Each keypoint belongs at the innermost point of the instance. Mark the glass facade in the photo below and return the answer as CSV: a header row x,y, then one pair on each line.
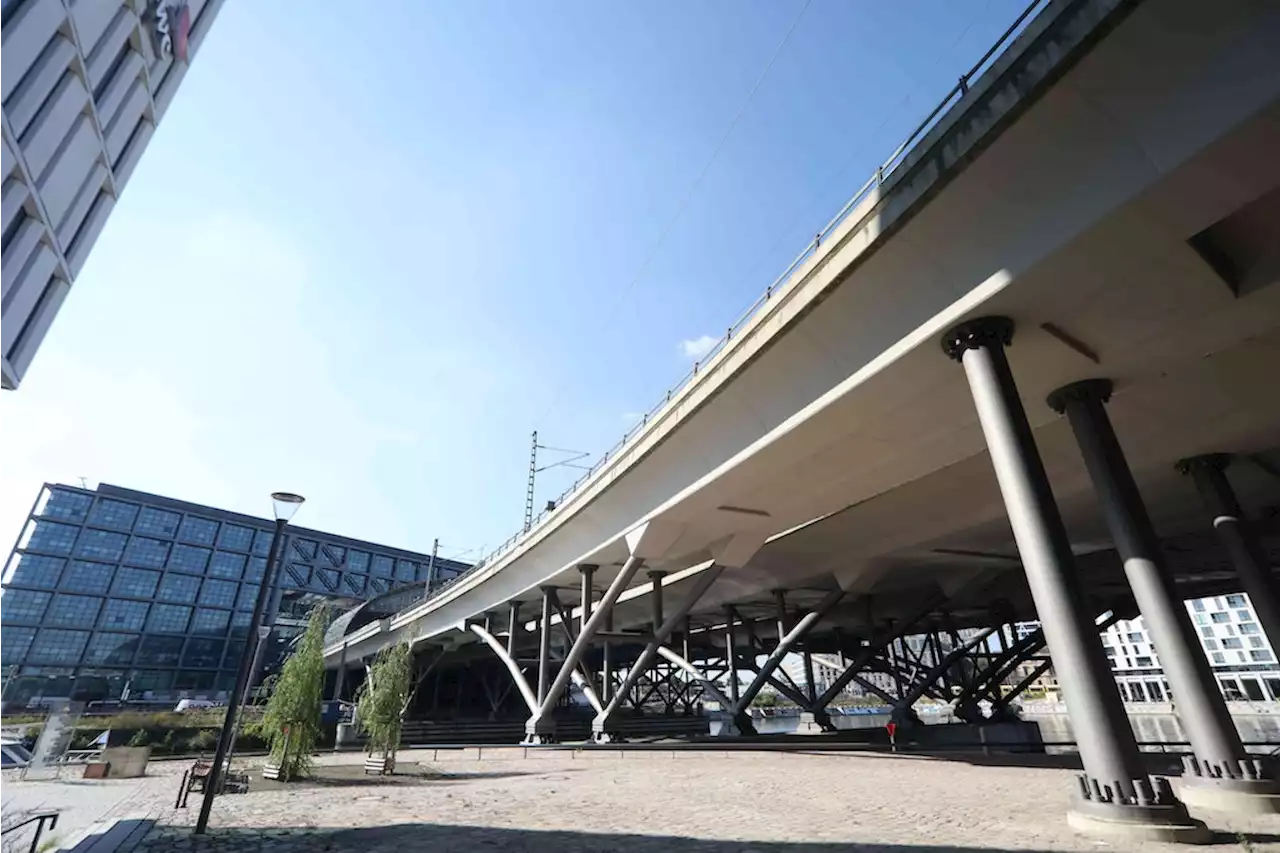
x,y
115,593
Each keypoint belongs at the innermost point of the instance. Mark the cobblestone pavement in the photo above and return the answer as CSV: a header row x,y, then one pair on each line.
x,y
702,802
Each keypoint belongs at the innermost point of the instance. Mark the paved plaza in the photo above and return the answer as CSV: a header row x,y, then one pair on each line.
x,y
708,802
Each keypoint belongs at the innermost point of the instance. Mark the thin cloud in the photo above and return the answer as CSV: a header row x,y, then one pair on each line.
x,y
697,348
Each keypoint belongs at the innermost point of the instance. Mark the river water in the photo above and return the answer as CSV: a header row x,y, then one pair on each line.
x,y
1148,728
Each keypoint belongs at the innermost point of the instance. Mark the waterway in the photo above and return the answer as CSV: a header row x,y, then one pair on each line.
x,y
1148,728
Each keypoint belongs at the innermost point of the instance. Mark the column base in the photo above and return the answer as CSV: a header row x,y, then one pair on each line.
x,y
540,730
1236,796
815,723
1150,813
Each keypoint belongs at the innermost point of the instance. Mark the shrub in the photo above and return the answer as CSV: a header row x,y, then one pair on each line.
x,y
140,738
291,720
202,741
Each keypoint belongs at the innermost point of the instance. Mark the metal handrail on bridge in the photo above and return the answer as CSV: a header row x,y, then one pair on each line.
x,y
878,177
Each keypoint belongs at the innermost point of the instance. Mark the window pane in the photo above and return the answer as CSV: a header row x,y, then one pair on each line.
x,y
200,682
150,681
358,561
14,643
1198,605
52,538
221,593
53,645
406,570
157,522
68,506
114,514
1250,628
198,531
83,576
233,537
248,595
124,615
186,558
73,611
36,570
209,621
100,544
148,553
180,588
262,542
112,649
169,619
159,651
22,605
257,565
382,566
224,565
203,653
135,583
1237,601
1220,617
304,549
1232,643
1261,655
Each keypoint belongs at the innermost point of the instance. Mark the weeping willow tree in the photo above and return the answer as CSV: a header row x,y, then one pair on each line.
x,y
291,721
383,699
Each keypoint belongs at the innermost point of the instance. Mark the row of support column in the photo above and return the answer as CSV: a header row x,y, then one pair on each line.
x,y
1115,796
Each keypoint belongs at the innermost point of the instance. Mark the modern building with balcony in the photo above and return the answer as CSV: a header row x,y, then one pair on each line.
x,y
1243,661
85,84
120,594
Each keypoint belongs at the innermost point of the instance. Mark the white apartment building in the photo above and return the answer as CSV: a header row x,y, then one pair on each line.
x,y
1242,659
84,84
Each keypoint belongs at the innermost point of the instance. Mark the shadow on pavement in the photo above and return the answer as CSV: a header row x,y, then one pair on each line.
x,y
430,837
354,777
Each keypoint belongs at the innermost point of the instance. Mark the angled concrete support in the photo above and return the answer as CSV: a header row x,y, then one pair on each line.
x,y
1115,788
731,654
600,726
513,627
540,726
785,644
709,687
1238,538
1219,763
522,684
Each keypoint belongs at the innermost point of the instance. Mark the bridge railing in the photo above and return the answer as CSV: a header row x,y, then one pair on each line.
x,y
877,178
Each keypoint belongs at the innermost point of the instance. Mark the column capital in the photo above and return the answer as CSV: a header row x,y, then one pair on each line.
x,y
1080,392
587,568
656,574
1213,461
981,332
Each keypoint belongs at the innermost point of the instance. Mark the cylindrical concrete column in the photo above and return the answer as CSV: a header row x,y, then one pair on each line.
x,y
588,572
1106,742
544,645
1200,705
606,664
731,656
513,628
655,578
1238,538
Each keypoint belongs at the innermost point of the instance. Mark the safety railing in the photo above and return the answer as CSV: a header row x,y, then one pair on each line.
x,y
40,820
877,178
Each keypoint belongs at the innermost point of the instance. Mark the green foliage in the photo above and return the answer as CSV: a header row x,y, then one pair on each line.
x,y
291,721
202,741
383,698
140,738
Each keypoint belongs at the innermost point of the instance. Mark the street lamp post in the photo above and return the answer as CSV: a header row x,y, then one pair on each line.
x,y
285,505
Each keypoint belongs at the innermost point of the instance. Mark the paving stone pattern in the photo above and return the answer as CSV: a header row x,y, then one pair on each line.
x,y
700,802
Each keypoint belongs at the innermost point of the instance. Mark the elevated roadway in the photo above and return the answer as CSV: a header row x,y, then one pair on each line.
x,y
1109,185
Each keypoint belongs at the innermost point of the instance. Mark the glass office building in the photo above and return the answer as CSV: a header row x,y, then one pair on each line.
x,y
85,85
114,593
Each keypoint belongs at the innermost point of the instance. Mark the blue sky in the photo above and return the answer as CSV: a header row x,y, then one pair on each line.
x,y
367,252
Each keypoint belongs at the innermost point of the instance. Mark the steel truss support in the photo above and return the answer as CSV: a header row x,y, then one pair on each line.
x,y
785,643
540,726
600,725
875,647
